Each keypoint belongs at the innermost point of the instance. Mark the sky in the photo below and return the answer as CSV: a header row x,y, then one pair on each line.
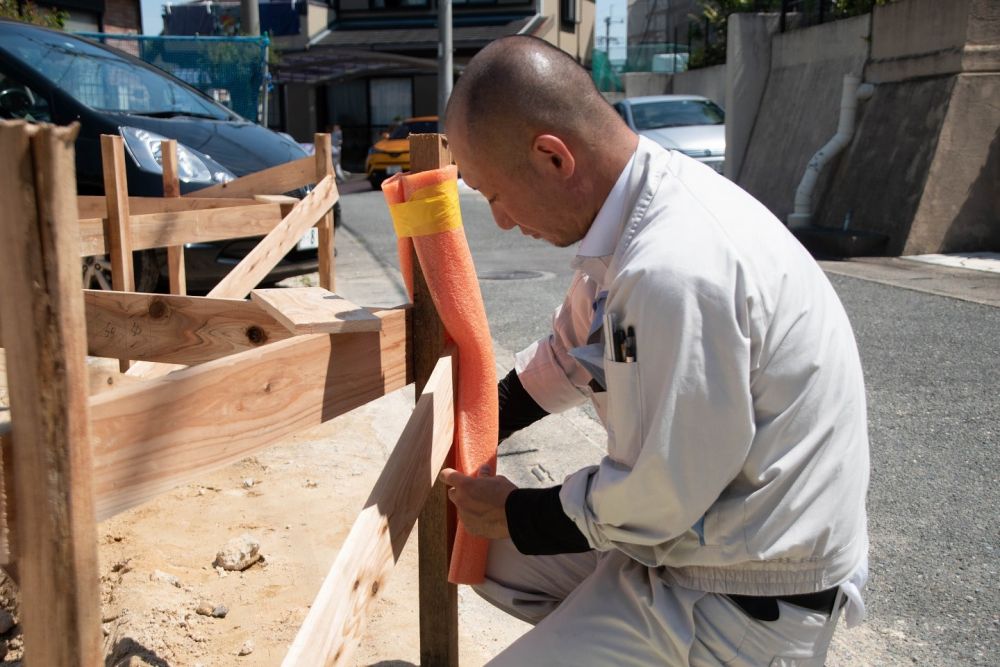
x,y
152,19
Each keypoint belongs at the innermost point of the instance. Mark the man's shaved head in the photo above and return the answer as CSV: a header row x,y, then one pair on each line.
x,y
518,87
529,130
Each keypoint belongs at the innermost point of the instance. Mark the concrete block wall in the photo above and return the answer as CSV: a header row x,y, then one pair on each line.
x,y
800,107
708,82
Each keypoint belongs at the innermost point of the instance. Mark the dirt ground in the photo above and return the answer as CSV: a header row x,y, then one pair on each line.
x,y
298,500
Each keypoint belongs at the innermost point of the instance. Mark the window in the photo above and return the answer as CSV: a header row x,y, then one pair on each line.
x,y
18,102
567,15
675,113
103,80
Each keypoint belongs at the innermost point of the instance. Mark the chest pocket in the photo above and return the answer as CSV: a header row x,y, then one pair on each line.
x,y
624,411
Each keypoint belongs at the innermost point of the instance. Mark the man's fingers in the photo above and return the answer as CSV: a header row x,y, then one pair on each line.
x,y
451,477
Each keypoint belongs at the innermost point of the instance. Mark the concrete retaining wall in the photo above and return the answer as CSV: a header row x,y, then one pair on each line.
x,y
708,82
877,182
800,107
924,166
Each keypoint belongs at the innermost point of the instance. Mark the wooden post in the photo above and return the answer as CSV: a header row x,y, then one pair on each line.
x,y
172,188
436,526
119,231
43,331
327,262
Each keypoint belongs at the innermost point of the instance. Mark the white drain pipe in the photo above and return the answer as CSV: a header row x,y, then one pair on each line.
x,y
853,91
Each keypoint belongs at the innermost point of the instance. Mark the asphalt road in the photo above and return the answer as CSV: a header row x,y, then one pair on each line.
x,y
932,366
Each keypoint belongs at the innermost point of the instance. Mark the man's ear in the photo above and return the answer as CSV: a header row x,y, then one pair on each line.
x,y
552,156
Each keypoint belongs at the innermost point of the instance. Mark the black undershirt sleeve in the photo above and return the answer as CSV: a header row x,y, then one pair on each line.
x,y
517,408
538,525
535,517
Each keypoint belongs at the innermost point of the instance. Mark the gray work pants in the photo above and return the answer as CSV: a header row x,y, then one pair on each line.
x,y
607,609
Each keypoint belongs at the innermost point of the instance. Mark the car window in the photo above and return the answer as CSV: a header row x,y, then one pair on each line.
x,y
620,108
101,79
19,102
674,113
414,127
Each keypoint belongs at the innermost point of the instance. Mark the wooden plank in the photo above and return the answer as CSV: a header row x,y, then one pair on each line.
x,y
272,181
336,620
160,433
175,329
89,206
51,458
158,230
265,256
436,528
306,310
117,230
325,238
172,190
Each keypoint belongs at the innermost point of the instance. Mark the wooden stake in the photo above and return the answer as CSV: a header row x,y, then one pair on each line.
x,y
119,230
171,189
43,331
325,249
436,527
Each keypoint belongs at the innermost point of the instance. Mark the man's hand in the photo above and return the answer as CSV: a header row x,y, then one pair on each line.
x,y
480,501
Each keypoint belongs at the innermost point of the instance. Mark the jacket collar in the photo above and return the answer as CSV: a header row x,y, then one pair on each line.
x,y
626,203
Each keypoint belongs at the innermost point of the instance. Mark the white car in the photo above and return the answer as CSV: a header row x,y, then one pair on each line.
x,y
691,124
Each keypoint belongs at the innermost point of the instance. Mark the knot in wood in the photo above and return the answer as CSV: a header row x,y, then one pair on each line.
x,y
256,335
158,309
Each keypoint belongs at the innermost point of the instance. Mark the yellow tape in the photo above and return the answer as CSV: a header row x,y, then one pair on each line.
x,y
431,210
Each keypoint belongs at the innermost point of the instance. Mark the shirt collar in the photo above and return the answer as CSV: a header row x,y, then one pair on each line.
x,y
602,237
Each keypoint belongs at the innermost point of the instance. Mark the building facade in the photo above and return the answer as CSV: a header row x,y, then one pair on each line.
x,y
114,16
368,63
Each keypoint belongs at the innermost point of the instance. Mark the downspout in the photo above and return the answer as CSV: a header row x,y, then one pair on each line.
x,y
853,91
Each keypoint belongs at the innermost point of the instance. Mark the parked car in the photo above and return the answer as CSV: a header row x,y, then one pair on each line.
x,y
391,155
693,125
55,77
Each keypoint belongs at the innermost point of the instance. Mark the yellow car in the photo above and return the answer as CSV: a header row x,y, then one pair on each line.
x,y
391,154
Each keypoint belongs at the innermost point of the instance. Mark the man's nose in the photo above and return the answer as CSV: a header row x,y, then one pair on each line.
x,y
504,221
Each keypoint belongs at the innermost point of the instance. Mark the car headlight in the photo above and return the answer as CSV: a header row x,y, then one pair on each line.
x,y
192,166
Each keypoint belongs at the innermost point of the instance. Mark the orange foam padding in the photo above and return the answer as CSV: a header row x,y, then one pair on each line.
x,y
451,278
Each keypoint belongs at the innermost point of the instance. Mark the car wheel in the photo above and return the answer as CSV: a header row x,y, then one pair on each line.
x,y
97,271
336,215
376,181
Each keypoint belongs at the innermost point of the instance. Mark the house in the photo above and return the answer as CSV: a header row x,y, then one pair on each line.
x,y
366,63
114,16
375,61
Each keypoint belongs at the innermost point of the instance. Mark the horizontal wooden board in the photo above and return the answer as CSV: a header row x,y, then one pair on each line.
x,y
272,181
175,329
314,310
158,434
90,206
158,230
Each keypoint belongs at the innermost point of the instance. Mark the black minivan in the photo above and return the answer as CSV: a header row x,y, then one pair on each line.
x,y
54,77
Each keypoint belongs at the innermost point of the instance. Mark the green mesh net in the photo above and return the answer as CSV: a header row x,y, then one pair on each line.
x,y
231,70
649,57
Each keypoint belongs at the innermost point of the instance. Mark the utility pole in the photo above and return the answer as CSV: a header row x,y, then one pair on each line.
x,y
250,17
445,66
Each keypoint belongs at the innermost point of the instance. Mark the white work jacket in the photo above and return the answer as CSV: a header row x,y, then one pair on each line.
x,y
737,455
